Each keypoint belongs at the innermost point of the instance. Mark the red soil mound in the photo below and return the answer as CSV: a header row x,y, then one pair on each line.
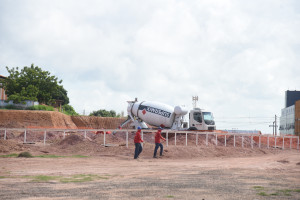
x,y
93,122
41,119
55,120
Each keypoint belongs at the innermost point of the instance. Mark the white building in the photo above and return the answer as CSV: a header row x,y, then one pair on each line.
x,y
290,115
287,121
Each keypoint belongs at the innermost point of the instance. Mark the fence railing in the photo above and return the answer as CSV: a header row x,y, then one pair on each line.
x,y
279,142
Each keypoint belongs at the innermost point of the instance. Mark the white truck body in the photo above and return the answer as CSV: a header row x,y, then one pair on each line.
x,y
159,114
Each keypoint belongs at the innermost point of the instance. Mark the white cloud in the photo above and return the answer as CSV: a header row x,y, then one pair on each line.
x,y
238,56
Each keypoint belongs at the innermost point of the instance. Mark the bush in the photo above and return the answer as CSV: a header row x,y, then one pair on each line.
x,y
25,154
104,113
41,107
69,110
10,107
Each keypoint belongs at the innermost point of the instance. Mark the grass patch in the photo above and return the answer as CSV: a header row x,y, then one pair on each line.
x,y
25,155
79,178
169,196
49,156
28,155
258,188
9,155
284,192
42,178
79,156
274,194
55,156
2,177
41,107
262,194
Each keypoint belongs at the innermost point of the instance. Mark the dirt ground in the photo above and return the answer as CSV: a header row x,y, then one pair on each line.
x,y
72,166
273,175
90,170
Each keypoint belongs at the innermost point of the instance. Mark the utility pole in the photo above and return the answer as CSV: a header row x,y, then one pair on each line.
x,y
275,125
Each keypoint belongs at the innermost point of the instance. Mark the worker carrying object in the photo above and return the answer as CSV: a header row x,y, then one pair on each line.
x,y
137,142
157,142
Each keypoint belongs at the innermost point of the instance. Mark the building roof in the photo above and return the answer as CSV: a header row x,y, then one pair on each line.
x,y
3,77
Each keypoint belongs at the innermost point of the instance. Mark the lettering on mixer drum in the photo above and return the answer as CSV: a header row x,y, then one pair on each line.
x,y
155,111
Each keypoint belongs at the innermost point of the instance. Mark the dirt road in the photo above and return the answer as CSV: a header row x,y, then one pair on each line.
x,y
269,176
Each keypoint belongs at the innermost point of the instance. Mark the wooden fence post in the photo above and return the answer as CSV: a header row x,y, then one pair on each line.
x,y
167,138
104,137
25,136
186,139
242,141
234,140
127,138
45,133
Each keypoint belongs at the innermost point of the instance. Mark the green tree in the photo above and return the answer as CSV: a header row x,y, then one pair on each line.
x,y
32,83
62,94
69,110
104,113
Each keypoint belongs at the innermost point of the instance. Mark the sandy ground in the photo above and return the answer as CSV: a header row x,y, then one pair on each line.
x,y
202,171
262,176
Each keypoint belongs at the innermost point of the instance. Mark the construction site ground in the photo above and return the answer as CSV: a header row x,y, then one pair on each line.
x,y
78,167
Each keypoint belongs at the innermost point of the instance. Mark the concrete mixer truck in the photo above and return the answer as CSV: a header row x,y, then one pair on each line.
x,y
159,114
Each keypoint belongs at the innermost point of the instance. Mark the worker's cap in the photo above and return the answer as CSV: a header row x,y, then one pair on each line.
x,y
139,128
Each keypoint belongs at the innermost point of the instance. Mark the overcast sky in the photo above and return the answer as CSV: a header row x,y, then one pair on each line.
x,y
239,57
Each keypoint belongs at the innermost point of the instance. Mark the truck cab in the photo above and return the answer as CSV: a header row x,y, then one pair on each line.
x,y
201,120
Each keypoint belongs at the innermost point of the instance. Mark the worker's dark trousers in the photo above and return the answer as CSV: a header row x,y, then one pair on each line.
x,y
156,147
138,150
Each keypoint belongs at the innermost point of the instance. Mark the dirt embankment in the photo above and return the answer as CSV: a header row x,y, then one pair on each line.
x,y
97,122
50,119
25,119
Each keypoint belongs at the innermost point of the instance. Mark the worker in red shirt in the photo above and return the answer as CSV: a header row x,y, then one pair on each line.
x,y
157,142
137,142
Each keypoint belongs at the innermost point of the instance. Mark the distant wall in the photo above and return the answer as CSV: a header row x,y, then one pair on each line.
x,y
26,104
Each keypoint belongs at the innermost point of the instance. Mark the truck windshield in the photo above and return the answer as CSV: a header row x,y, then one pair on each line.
x,y
198,117
208,118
